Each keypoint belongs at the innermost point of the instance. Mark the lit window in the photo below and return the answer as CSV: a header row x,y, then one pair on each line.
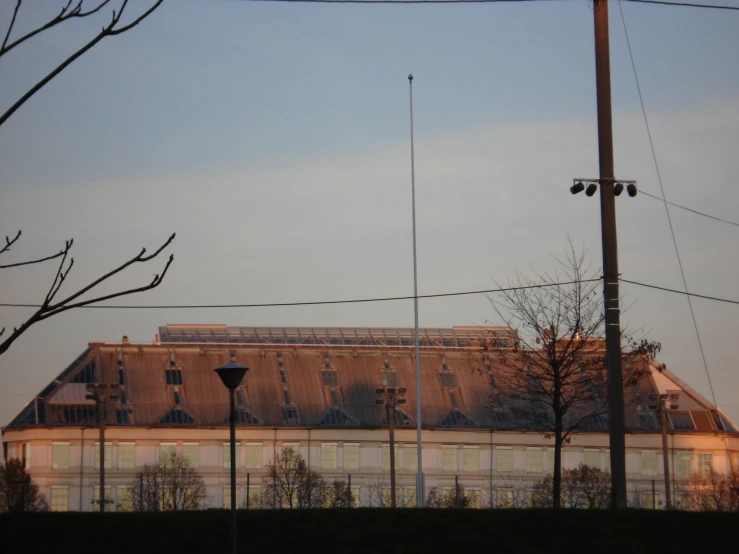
x,y
125,498
108,455
59,498
328,455
191,453
449,457
534,460
591,457
683,463
410,457
60,455
386,457
504,458
550,460
167,453
351,456
96,498
705,463
649,462
471,458
409,497
227,454
126,455
253,455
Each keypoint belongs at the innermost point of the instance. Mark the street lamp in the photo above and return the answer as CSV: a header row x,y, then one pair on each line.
x,y
391,397
232,374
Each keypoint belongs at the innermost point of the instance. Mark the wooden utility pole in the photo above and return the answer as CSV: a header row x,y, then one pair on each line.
x,y
663,399
610,256
96,392
391,397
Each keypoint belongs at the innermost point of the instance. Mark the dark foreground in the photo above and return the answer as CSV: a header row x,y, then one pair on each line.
x,y
375,531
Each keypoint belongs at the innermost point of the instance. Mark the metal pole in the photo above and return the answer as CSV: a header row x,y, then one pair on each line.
x,y
456,491
390,421
351,497
665,455
610,257
141,492
654,496
232,419
101,416
419,449
247,491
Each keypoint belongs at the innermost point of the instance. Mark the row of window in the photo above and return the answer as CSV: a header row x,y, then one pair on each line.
x,y
453,458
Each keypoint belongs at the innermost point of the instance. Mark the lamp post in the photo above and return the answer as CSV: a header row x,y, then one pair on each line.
x,y
232,374
391,397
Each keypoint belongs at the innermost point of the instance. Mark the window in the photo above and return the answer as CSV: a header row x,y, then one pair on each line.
x,y
227,454
449,457
471,458
550,460
125,498
26,455
108,454
290,415
329,377
409,497
681,421
534,459
505,498
410,457
191,453
294,446
60,455
107,498
734,459
504,458
705,463
351,456
167,453
253,455
448,379
608,460
59,498
173,376
683,463
473,497
649,462
591,457
328,455
254,497
386,457
227,497
649,501
126,455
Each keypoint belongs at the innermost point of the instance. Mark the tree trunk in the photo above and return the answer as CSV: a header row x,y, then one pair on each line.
x,y
557,477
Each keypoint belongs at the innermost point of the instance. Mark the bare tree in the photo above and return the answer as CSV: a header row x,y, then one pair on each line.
x,y
50,306
17,492
291,484
713,492
70,11
171,486
553,374
582,487
454,498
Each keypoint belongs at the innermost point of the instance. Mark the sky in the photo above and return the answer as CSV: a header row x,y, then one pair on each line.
x,y
274,139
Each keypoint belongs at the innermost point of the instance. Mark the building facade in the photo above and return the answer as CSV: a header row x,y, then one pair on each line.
x,y
315,391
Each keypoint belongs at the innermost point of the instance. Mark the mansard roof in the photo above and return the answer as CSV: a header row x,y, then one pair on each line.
x,y
308,377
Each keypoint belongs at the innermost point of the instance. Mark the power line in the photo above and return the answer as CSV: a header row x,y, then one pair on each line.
x,y
369,300
689,209
315,303
661,2
667,209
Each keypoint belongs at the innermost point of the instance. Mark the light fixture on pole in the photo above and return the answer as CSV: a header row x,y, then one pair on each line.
x,y
231,375
391,397
419,473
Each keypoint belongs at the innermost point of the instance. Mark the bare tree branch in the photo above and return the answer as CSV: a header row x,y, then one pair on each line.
x,y
10,27
108,30
9,243
50,308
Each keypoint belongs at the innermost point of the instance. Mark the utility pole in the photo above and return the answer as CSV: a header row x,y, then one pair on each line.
x,y
610,256
663,399
96,392
391,397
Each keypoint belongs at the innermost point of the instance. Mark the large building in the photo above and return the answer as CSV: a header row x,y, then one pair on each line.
x,y
315,390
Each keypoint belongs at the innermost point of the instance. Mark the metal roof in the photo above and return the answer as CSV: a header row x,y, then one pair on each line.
x,y
308,377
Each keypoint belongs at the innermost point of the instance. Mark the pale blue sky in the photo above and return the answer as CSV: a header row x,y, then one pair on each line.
x,y
273,138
